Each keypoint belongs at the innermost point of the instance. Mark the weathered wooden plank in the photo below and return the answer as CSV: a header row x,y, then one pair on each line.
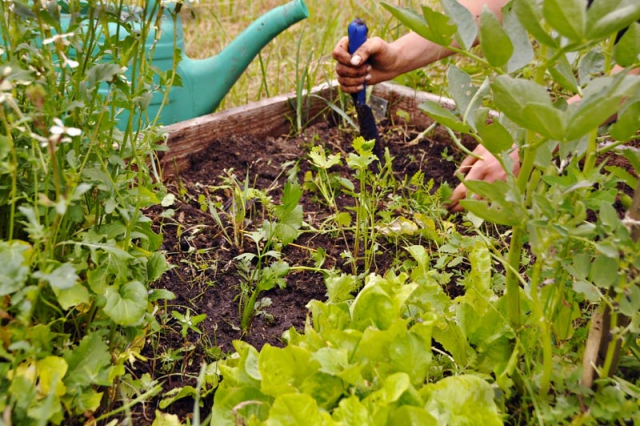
x,y
407,99
273,117
269,117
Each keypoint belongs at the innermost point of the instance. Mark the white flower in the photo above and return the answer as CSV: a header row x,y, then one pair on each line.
x,y
59,37
59,129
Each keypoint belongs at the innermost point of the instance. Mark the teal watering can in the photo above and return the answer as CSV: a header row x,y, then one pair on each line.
x,y
205,82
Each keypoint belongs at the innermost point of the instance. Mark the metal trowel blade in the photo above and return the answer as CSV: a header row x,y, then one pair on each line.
x,y
378,106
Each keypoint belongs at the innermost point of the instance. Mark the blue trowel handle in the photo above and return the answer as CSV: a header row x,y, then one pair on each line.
x,y
357,36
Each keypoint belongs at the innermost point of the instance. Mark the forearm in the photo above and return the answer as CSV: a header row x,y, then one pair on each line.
x,y
413,51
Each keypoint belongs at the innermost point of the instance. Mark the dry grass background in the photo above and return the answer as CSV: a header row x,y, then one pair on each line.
x,y
210,25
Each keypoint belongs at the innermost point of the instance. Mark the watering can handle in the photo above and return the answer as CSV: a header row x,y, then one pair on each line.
x,y
357,36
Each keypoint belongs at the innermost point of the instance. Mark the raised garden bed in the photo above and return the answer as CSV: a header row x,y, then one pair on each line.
x,y
238,161
253,143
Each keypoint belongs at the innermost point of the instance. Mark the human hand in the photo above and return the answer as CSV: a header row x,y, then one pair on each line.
x,y
375,61
488,169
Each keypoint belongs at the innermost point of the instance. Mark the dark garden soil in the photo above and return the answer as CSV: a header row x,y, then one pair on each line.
x,y
205,278
210,285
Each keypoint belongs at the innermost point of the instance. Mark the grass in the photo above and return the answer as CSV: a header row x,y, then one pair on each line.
x,y
211,25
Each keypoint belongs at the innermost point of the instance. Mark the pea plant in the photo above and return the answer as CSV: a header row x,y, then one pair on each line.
x,y
77,170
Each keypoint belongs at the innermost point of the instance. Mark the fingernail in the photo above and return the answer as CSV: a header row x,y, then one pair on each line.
x,y
360,87
355,60
369,68
368,77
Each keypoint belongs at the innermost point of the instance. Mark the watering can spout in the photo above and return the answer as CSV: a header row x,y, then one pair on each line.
x,y
207,81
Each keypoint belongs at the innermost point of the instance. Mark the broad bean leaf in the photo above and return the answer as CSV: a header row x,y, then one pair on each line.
x,y
627,50
562,73
410,19
604,272
102,72
466,25
544,119
590,292
495,137
522,51
468,97
505,208
590,65
442,27
126,306
567,17
606,17
494,40
462,400
601,101
628,123
493,213
444,117
512,95
630,303
529,14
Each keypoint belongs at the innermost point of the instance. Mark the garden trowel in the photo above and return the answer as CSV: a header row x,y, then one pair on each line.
x,y
366,120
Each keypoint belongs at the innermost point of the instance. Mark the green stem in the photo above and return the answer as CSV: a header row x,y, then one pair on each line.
x,y
592,150
512,279
147,395
14,175
247,310
612,347
545,329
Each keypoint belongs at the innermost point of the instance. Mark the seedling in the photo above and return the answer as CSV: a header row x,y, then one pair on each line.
x,y
188,322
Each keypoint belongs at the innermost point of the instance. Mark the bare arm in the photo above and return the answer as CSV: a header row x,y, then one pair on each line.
x,y
376,60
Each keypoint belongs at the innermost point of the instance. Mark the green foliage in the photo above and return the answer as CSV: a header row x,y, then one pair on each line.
x,y
578,259
363,361
77,251
508,346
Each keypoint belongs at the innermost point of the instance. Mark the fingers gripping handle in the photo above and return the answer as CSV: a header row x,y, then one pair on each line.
x,y
357,36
